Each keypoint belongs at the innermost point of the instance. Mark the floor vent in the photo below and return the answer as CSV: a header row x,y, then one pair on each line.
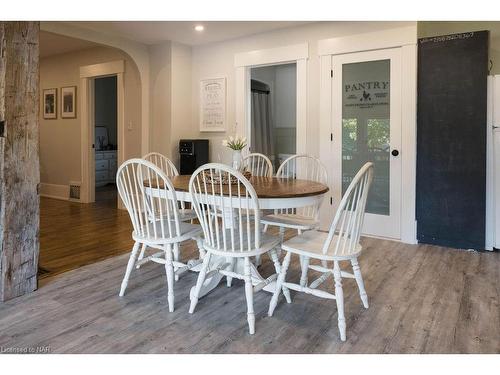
x,y
74,191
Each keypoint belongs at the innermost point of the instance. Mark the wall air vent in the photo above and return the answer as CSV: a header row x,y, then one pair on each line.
x,y
74,191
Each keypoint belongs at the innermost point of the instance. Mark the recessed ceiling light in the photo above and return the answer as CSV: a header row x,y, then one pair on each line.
x,y
199,28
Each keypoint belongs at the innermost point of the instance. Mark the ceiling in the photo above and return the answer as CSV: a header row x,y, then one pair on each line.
x,y
152,32
54,44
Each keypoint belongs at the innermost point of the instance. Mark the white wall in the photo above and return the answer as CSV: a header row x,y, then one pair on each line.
x,y
217,60
182,111
160,108
171,111
60,154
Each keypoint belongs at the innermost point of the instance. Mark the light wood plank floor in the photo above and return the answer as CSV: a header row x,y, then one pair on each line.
x,y
423,299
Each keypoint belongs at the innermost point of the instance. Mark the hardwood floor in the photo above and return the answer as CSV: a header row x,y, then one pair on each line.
x,y
423,299
73,235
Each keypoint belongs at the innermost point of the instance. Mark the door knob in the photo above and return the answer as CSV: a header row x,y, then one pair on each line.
x,y
395,152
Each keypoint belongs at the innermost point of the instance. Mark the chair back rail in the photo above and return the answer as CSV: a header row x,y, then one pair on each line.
x,y
229,215
348,221
144,188
258,165
304,167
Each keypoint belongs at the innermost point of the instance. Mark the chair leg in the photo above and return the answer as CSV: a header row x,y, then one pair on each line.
x,y
258,261
199,243
279,284
274,256
304,268
359,281
339,297
176,258
141,255
229,279
249,296
169,268
199,282
130,265
282,238
282,235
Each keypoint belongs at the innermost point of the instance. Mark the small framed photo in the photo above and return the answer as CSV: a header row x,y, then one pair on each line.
x,y
68,102
49,103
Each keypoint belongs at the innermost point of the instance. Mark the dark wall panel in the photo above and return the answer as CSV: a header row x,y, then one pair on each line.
x,y
451,140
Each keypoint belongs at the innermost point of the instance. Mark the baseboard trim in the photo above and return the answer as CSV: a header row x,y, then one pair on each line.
x,y
54,191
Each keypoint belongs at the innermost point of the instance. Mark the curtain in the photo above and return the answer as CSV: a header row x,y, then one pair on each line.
x,y
262,124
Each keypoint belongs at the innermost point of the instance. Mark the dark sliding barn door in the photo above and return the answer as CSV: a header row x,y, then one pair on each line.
x,y
451,140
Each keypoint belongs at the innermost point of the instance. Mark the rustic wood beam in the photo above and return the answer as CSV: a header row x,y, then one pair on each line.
x,y
19,158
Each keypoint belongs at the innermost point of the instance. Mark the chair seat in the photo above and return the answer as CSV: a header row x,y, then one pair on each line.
x,y
311,243
187,231
187,214
267,242
292,221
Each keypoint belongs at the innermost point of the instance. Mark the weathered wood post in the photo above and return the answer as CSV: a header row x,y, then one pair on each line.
x,y
19,158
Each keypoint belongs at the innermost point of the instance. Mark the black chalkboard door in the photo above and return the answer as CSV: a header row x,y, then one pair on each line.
x,y
451,140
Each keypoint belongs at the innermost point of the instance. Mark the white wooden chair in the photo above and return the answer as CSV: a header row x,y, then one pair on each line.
x,y
155,224
168,167
230,218
303,167
258,165
341,243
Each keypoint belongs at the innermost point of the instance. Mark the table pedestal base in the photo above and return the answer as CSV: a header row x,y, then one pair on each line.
x,y
214,280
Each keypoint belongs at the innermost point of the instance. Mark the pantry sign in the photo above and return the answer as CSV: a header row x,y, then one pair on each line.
x,y
366,94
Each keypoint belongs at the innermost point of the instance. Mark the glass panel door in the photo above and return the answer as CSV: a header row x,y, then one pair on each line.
x,y
366,127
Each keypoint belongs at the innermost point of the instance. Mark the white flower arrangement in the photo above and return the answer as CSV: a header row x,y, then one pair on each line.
x,y
235,143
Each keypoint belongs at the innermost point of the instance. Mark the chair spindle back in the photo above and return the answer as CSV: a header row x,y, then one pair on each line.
x,y
162,162
303,167
258,165
228,213
348,221
144,189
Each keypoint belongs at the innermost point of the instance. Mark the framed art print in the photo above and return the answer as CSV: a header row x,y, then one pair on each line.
x,y
213,105
49,103
68,102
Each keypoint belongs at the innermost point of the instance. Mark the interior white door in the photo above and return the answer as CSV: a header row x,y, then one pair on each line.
x,y
366,126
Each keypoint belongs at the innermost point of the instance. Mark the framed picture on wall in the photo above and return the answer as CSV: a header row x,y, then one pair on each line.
x,y
49,103
68,102
213,105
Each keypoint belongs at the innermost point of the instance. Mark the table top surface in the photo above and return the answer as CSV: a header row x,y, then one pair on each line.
x,y
268,187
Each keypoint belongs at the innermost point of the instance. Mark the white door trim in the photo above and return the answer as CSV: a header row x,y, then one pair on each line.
x,y
492,165
390,38
272,55
298,53
87,73
407,41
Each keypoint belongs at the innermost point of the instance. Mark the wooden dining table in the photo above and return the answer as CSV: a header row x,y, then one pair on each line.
x,y
272,193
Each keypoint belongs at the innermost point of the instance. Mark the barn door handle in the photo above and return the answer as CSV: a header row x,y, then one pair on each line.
x,y
395,152
2,128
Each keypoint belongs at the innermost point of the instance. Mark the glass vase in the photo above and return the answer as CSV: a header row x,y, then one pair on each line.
x,y
237,160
